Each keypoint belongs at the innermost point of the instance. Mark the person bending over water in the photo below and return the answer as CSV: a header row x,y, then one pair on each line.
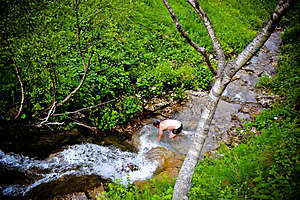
x,y
174,126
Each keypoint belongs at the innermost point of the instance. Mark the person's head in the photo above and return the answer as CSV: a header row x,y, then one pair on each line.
x,y
156,124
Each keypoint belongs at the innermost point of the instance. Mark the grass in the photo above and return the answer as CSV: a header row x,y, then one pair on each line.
x,y
266,164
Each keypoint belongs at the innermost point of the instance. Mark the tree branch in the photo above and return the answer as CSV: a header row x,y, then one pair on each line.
x,y
54,85
92,128
51,111
216,44
262,36
54,81
184,180
82,109
20,81
188,38
85,67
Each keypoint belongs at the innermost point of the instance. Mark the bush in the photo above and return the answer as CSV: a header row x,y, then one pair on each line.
x,y
266,164
135,44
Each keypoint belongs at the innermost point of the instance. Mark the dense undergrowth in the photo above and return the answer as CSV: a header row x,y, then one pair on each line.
x,y
138,54
266,163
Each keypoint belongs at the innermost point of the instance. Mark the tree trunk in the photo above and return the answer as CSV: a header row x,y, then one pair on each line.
x,y
183,183
19,79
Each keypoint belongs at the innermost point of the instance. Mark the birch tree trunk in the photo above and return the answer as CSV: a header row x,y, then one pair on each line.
x,y
224,74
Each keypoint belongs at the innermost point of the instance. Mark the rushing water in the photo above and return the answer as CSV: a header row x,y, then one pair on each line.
x,y
85,159
81,159
123,166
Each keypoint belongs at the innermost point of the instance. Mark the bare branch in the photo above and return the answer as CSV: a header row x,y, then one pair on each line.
x,y
94,129
262,36
85,67
184,180
55,123
82,109
54,83
92,50
188,38
50,113
20,81
216,44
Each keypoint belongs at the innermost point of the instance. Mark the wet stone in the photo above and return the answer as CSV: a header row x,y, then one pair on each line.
x,y
240,100
74,196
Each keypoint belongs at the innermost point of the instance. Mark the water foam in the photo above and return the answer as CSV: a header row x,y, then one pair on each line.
x,y
81,159
87,159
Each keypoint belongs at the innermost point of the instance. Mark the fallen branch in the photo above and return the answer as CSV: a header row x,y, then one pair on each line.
x,y
50,113
55,123
82,109
52,110
94,129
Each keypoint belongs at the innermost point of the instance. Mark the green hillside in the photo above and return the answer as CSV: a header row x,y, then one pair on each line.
x,y
137,54
134,53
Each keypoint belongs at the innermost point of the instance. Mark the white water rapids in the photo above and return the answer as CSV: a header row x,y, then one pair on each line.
x,y
110,162
84,159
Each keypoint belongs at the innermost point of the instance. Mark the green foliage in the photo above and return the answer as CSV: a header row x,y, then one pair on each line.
x,y
236,22
116,113
137,52
155,190
167,77
266,164
264,168
154,81
128,42
109,118
131,106
288,71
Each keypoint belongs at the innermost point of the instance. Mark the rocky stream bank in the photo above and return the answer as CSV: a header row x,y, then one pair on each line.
x,y
241,100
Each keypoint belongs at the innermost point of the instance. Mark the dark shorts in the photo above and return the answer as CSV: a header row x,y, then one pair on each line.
x,y
177,130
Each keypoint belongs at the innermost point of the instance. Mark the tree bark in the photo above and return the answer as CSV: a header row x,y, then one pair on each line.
x,y
201,50
20,81
225,73
215,42
85,67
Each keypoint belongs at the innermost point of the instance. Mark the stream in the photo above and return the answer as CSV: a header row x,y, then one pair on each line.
x,y
241,100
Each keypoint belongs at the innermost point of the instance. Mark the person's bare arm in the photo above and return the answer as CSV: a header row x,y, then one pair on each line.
x,y
160,133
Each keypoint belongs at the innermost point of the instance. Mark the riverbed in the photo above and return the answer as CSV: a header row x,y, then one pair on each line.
x,y
24,172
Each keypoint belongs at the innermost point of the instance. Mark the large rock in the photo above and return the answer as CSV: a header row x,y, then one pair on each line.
x,y
169,165
74,196
167,159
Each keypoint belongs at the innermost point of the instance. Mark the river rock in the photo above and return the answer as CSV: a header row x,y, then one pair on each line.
x,y
169,165
142,184
166,158
170,173
74,196
157,103
97,191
